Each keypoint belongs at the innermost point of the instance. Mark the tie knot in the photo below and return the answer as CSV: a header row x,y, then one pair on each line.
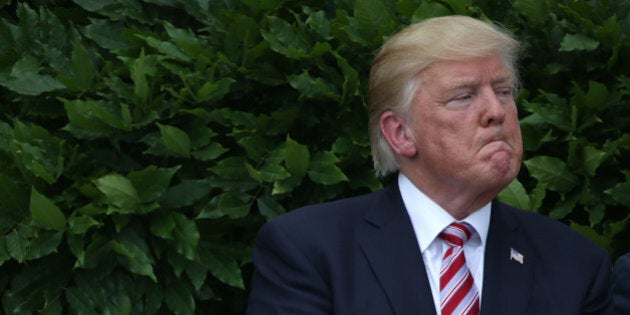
x,y
457,233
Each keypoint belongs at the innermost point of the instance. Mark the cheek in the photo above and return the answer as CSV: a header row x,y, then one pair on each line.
x,y
513,127
451,139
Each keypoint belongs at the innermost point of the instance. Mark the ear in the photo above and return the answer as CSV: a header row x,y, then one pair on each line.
x,y
398,134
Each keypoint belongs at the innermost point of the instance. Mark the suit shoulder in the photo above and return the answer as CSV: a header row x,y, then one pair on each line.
x,y
622,264
329,217
551,233
331,210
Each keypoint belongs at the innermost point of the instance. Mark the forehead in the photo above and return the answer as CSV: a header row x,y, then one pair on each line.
x,y
448,74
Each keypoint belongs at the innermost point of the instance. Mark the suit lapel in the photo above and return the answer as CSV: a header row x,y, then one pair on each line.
x,y
507,284
389,244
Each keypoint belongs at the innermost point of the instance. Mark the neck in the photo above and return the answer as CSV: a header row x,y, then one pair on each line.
x,y
458,200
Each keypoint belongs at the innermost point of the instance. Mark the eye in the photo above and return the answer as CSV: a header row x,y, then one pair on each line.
x,y
464,97
505,93
460,101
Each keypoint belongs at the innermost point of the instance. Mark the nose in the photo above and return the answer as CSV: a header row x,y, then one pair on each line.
x,y
493,109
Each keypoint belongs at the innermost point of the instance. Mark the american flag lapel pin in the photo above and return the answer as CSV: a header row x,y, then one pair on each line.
x,y
515,255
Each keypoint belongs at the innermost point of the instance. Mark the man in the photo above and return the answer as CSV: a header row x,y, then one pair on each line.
x,y
442,116
621,276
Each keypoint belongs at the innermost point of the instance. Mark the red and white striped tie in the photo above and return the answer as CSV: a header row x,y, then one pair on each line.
x,y
458,293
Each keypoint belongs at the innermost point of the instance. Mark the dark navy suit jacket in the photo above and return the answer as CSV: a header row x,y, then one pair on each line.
x,y
621,276
359,256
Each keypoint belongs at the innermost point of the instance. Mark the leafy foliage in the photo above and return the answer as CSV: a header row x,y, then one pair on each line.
x,y
144,142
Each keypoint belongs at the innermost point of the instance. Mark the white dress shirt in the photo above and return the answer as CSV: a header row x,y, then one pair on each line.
x,y
428,220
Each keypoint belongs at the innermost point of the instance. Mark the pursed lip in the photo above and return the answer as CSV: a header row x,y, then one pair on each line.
x,y
496,145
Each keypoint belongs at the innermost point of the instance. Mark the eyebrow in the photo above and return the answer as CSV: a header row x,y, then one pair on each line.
x,y
503,79
470,83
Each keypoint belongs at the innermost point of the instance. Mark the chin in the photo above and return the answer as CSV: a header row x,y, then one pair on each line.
x,y
505,168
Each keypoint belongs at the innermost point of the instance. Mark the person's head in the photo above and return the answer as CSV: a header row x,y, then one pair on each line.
x,y
396,70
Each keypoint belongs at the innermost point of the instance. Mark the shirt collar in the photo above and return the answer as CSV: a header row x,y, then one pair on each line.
x,y
429,219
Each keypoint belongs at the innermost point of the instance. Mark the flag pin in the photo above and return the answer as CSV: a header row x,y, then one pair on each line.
x,y
515,255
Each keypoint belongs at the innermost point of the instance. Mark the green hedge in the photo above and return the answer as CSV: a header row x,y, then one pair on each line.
x,y
144,142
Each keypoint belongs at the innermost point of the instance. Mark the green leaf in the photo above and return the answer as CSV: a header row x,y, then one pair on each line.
x,y
256,146
515,195
284,39
43,162
225,117
185,193
82,68
323,170
26,79
537,12
235,205
106,34
119,191
80,224
223,267
114,294
286,186
460,6
153,182
80,300
141,68
537,196
564,207
43,148
269,207
210,152
297,157
231,168
176,140
596,213
178,298
579,42
98,250
27,64
596,96
271,171
618,226
214,90
4,252
168,49
620,193
17,244
318,22
32,84
592,159
554,111
373,15
44,244
136,259
27,23
6,134
186,236
14,198
94,5
46,213
95,119
310,87
197,274
552,171
351,81
211,210
163,225
242,35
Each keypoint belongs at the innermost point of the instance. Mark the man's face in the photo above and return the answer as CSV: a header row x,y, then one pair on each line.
x,y
465,125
